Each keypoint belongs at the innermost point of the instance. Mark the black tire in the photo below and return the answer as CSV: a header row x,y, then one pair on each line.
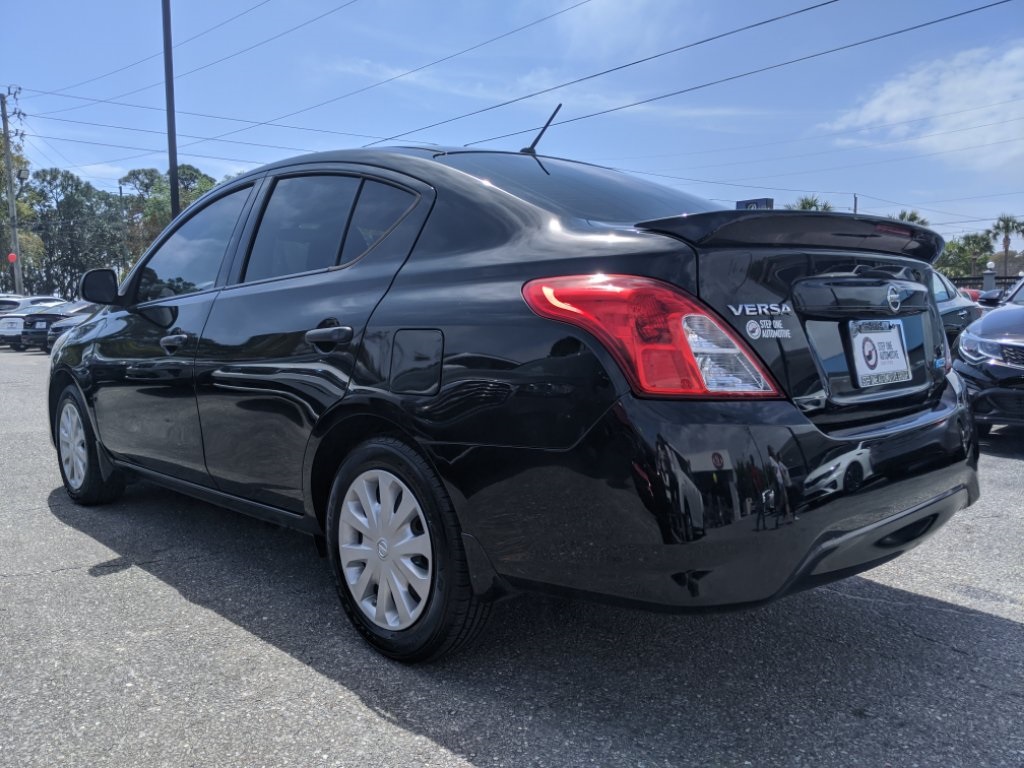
x,y
77,456
983,429
853,477
449,614
17,346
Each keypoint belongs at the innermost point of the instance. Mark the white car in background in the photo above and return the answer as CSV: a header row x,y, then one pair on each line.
x,y
12,322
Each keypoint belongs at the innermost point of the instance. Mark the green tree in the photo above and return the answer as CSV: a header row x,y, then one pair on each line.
x,y
979,246
1004,228
810,203
79,228
911,217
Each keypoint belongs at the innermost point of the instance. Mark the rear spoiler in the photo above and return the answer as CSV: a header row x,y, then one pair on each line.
x,y
808,229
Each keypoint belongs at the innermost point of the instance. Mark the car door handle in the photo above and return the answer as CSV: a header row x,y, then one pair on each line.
x,y
335,334
174,342
963,313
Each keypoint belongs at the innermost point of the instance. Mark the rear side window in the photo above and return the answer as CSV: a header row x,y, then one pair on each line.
x,y
190,259
302,226
940,288
379,208
6,306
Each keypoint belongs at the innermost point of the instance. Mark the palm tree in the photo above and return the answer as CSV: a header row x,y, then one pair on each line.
x,y
810,203
911,217
977,244
1005,227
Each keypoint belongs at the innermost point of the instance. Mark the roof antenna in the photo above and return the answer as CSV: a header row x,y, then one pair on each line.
x,y
532,149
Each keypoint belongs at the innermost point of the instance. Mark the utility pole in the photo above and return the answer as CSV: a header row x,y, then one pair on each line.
x,y
172,138
854,202
12,208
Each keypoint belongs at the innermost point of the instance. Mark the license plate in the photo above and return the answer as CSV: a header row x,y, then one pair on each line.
x,y
41,324
879,354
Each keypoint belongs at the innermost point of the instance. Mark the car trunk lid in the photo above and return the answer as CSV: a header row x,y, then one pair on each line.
x,y
836,306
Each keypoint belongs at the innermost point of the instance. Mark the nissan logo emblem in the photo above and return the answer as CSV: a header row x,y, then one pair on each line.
x,y
893,297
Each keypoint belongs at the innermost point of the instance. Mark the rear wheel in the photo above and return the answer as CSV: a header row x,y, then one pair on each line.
x,y
395,547
17,346
77,453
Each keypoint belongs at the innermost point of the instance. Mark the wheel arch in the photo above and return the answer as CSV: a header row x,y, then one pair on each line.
x,y
59,380
338,435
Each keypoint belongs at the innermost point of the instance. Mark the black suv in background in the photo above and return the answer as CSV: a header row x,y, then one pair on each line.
x,y
468,374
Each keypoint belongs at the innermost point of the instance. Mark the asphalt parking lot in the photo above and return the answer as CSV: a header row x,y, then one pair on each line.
x,y
160,631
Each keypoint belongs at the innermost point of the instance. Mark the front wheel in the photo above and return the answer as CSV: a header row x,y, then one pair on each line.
x,y
17,346
77,453
395,547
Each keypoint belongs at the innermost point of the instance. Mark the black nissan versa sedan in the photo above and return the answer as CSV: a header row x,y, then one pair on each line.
x,y
469,374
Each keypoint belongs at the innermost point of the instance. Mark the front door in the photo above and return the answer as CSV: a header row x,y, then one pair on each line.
x,y
144,361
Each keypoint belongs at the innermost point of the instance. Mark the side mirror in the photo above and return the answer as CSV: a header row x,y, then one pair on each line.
x,y
99,286
990,298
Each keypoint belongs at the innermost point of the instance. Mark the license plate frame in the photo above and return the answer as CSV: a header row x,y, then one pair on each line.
x,y
40,324
879,351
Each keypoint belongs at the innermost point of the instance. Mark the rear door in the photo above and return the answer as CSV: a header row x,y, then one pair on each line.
x,y
282,341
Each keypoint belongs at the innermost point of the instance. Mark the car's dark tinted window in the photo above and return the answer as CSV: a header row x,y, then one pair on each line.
x,y
302,226
379,208
576,189
5,305
189,259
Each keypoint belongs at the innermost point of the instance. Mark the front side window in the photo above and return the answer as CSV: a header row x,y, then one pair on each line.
x,y
189,260
302,226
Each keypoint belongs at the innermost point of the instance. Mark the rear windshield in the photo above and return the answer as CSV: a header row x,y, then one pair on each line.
x,y
576,189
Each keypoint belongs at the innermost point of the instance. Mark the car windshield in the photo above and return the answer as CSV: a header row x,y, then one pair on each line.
x,y
577,189
40,308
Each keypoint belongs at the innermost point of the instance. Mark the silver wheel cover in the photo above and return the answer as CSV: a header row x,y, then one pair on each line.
x,y
385,550
74,456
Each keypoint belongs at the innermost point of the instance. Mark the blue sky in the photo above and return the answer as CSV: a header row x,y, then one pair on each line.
x,y
932,119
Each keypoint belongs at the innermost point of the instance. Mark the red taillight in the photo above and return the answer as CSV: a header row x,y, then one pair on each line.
x,y
665,341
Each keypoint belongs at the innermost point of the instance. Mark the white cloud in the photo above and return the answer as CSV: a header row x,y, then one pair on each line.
x,y
928,93
611,29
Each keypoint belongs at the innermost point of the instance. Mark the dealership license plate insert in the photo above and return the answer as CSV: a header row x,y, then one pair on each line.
x,y
879,352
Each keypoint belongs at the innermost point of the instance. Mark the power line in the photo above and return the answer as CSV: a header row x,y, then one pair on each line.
x,y
813,136
208,116
871,145
146,150
59,91
751,72
212,63
164,133
608,71
883,162
449,57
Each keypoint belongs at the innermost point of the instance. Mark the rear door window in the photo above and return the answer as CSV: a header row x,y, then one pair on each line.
x,y
302,226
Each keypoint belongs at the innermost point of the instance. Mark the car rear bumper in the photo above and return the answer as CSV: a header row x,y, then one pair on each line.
x,y
670,504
